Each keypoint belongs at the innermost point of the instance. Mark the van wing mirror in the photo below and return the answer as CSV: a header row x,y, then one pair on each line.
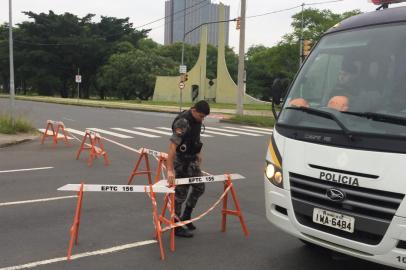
x,y
278,90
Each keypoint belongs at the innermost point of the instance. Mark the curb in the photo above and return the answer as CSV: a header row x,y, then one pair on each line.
x,y
16,142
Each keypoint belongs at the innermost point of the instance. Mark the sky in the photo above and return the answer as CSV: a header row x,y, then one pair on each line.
x,y
265,30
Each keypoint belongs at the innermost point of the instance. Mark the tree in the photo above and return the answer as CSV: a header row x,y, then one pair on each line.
x,y
131,75
316,22
4,59
50,48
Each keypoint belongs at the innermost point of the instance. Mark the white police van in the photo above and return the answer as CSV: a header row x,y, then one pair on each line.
x,y
336,163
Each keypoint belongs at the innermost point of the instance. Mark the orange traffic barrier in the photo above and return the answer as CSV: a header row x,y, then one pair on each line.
x,y
74,230
144,153
95,147
51,131
228,185
173,221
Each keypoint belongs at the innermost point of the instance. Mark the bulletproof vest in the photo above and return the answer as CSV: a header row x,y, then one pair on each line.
x,y
190,145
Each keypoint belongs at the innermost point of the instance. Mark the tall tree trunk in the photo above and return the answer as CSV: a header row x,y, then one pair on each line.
x,y
64,90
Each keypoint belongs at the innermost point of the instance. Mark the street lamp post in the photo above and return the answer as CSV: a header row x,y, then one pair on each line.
x,y
241,62
12,91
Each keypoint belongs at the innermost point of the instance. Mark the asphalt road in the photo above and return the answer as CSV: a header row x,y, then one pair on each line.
x,y
38,231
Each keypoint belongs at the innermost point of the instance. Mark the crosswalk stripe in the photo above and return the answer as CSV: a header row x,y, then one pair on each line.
x,y
220,133
202,135
74,131
257,128
154,130
249,130
234,131
136,132
111,133
42,130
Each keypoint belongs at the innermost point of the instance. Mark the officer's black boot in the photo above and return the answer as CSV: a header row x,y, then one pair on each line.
x,y
187,213
182,232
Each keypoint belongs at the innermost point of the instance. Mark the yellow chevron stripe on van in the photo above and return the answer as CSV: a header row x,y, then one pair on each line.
x,y
273,154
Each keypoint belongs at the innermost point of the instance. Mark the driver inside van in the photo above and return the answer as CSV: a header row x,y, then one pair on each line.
x,y
342,93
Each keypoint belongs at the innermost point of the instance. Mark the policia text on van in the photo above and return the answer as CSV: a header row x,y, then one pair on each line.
x,y
335,172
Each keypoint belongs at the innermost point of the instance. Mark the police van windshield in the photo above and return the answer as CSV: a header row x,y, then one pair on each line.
x,y
357,75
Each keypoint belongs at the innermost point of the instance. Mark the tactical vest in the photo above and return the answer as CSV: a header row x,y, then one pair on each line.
x,y
190,145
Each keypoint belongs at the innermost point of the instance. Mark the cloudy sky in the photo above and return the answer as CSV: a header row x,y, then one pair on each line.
x,y
266,30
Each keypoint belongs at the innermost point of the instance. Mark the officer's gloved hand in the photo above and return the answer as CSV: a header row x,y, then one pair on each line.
x,y
171,177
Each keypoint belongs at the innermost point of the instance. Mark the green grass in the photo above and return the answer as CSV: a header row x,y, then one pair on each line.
x,y
261,121
21,125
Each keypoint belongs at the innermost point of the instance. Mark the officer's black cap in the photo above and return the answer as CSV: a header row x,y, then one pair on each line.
x,y
202,107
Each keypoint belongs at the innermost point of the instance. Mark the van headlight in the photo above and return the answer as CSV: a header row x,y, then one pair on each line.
x,y
274,174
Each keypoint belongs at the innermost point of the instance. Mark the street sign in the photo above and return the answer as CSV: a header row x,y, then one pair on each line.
x,y
181,85
78,78
182,69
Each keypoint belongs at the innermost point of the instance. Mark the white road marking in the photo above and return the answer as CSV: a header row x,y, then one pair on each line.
x,y
234,131
81,255
75,131
257,128
24,170
122,145
116,143
136,132
250,130
37,201
219,133
202,135
154,130
60,135
111,133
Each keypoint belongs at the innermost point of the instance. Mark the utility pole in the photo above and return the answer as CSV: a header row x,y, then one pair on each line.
x,y
12,91
241,61
301,38
78,82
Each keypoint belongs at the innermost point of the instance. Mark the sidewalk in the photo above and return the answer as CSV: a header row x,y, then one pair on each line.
x,y
8,140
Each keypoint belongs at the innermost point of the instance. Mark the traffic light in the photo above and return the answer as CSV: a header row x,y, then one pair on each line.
x,y
185,78
238,25
306,47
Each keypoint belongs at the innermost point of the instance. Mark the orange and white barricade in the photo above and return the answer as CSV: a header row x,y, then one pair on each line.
x,y
160,219
92,142
144,153
53,130
82,188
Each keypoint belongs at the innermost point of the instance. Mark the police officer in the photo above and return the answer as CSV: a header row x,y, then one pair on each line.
x,y
184,159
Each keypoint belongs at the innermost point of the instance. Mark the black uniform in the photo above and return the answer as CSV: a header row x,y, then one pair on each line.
x,y
186,135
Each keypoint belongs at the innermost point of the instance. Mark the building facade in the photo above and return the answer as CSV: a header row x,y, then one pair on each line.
x,y
182,16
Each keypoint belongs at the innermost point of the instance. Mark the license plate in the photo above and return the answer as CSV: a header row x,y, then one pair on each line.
x,y
334,220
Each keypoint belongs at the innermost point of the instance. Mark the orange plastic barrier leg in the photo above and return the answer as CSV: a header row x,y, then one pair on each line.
x,y
61,127
50,127
95,147
55,132
147,171
97,150
237,212
157,223
160,168
74,230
